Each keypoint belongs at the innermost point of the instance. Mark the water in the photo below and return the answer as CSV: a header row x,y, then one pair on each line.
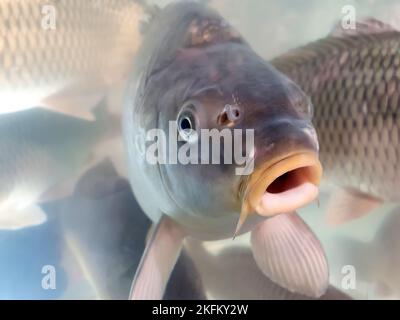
x,y
92,240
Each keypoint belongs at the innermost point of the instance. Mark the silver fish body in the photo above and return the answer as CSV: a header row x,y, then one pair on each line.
x,y
41,153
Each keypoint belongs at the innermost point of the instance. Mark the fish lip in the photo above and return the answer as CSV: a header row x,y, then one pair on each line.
x,y
306,172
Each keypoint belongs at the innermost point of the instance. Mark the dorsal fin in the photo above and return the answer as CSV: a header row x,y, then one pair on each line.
x,y
364,26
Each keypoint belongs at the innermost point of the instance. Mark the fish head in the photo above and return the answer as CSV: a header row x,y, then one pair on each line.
x,y
226,103
229,94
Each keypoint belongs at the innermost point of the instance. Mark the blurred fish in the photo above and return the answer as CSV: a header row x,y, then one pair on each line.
x,y
195,71
353,79
375,262
64,55
104,231
232,273
41,156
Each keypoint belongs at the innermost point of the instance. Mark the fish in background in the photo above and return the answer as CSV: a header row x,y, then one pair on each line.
x,y
42,154
69,68
353,80
232,273
104,230
195,70
375,262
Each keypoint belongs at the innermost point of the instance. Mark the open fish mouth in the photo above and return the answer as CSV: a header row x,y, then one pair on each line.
x,y
289,184
282,185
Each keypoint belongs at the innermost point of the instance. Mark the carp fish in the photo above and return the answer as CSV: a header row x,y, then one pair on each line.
x,y
195,73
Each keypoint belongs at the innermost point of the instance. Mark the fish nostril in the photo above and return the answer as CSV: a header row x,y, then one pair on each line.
x,y
229,115
222,118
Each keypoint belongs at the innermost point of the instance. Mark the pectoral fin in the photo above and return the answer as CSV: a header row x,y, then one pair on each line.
x,y
348,204
70,111
162,250
58,191
74,101
288,252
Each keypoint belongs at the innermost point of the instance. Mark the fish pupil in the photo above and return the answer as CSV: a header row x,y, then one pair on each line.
x,y
185,124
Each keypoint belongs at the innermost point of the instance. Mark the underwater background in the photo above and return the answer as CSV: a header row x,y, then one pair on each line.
x,y
94,238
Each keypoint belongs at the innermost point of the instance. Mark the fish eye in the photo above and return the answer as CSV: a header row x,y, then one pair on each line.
x,y
186,123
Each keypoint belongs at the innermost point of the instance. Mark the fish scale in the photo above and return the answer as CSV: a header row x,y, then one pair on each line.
x,y
354,84
91,48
